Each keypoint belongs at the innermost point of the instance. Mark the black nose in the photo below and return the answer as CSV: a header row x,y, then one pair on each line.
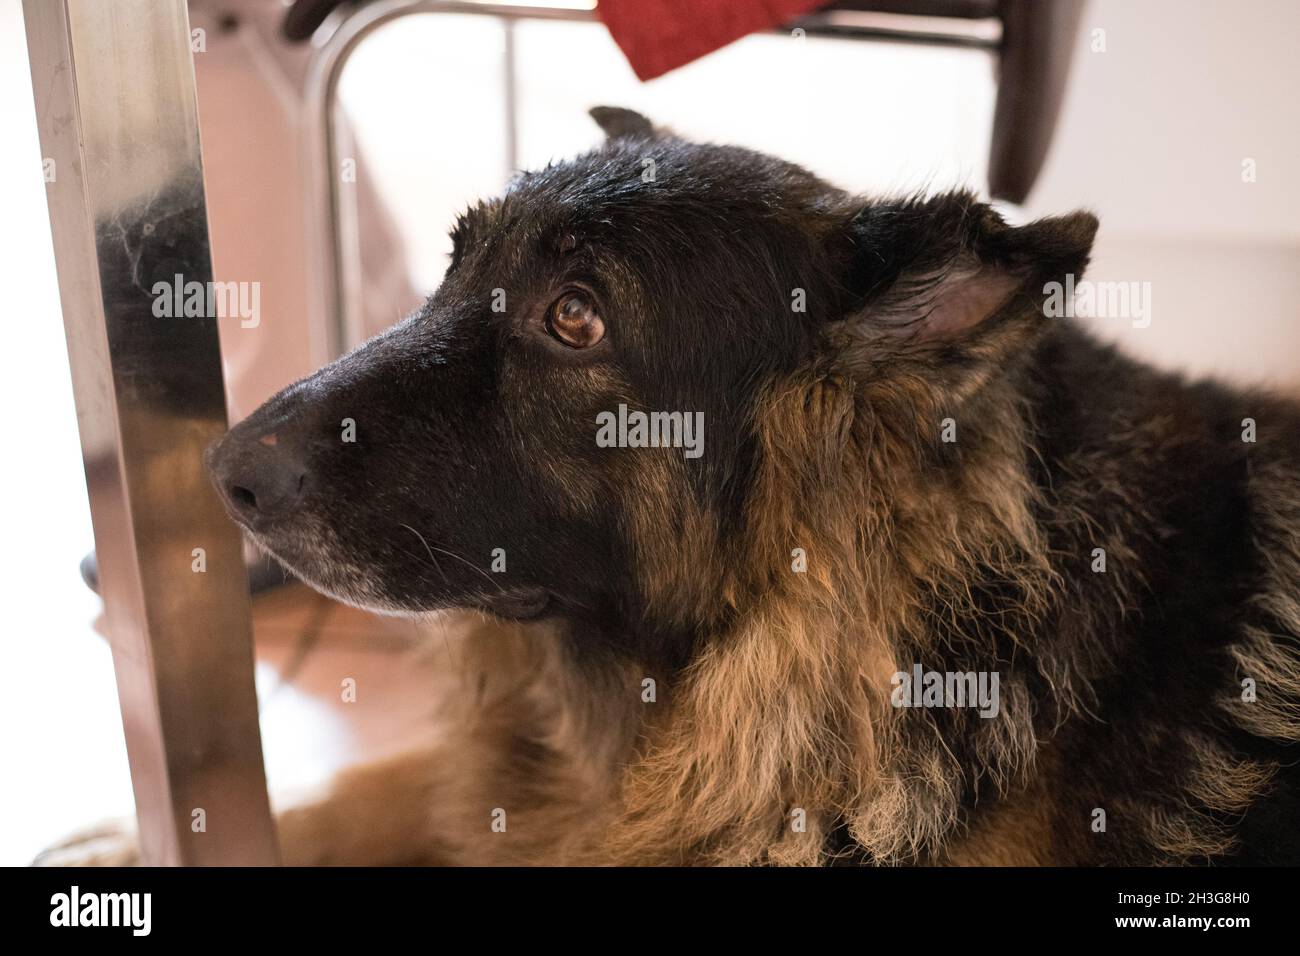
x,y
259,479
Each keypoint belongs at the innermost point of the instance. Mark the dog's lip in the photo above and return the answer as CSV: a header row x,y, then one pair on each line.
x,y
520,603
261,529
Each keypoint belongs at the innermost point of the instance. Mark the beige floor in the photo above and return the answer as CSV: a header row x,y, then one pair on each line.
x,y
66,767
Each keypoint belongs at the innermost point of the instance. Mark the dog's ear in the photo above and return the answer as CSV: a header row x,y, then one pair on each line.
x,y
946,286
620,123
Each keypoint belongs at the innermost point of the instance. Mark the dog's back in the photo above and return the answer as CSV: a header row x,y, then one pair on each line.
x,y
1172,512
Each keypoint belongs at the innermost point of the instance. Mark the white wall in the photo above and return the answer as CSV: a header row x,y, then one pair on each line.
x,y
1153,136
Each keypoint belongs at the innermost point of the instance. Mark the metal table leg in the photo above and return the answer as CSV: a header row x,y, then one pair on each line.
x,y
115,101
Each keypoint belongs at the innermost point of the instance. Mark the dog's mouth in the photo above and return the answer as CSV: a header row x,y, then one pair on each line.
x,y
516,604
315,553
345,580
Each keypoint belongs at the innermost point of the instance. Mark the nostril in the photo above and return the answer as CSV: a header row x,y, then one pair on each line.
x,y
243,497
259,483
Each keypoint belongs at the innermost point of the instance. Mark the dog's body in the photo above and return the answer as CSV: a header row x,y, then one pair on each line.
x,y
1122,689
916,469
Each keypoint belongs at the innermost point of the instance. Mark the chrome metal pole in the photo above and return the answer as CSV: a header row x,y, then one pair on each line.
x,y
115,103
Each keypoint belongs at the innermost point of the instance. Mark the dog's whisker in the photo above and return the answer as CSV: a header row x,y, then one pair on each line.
x,y
451,554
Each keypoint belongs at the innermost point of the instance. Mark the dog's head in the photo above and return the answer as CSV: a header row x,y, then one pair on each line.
x,y
504,446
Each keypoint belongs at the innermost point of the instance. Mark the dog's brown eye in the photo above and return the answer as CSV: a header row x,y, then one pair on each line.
x,y
573,321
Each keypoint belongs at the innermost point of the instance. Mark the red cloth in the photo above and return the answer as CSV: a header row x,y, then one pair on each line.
x,y
660,35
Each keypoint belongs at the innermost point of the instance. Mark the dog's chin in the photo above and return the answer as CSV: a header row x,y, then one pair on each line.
x,y
514,604
517,604
335,579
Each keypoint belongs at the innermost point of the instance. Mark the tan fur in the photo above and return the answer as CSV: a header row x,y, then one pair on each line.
x,y
789,709
515,735
1019,831
1270,654
527,733
1218,787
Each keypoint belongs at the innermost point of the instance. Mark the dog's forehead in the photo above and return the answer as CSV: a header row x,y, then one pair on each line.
x,y
662,174
585,187
635,196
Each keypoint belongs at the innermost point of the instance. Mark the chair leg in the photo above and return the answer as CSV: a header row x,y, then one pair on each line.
x,y
1037,42
115,103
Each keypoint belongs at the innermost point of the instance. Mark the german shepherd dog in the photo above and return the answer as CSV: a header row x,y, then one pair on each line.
x,y
760,642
